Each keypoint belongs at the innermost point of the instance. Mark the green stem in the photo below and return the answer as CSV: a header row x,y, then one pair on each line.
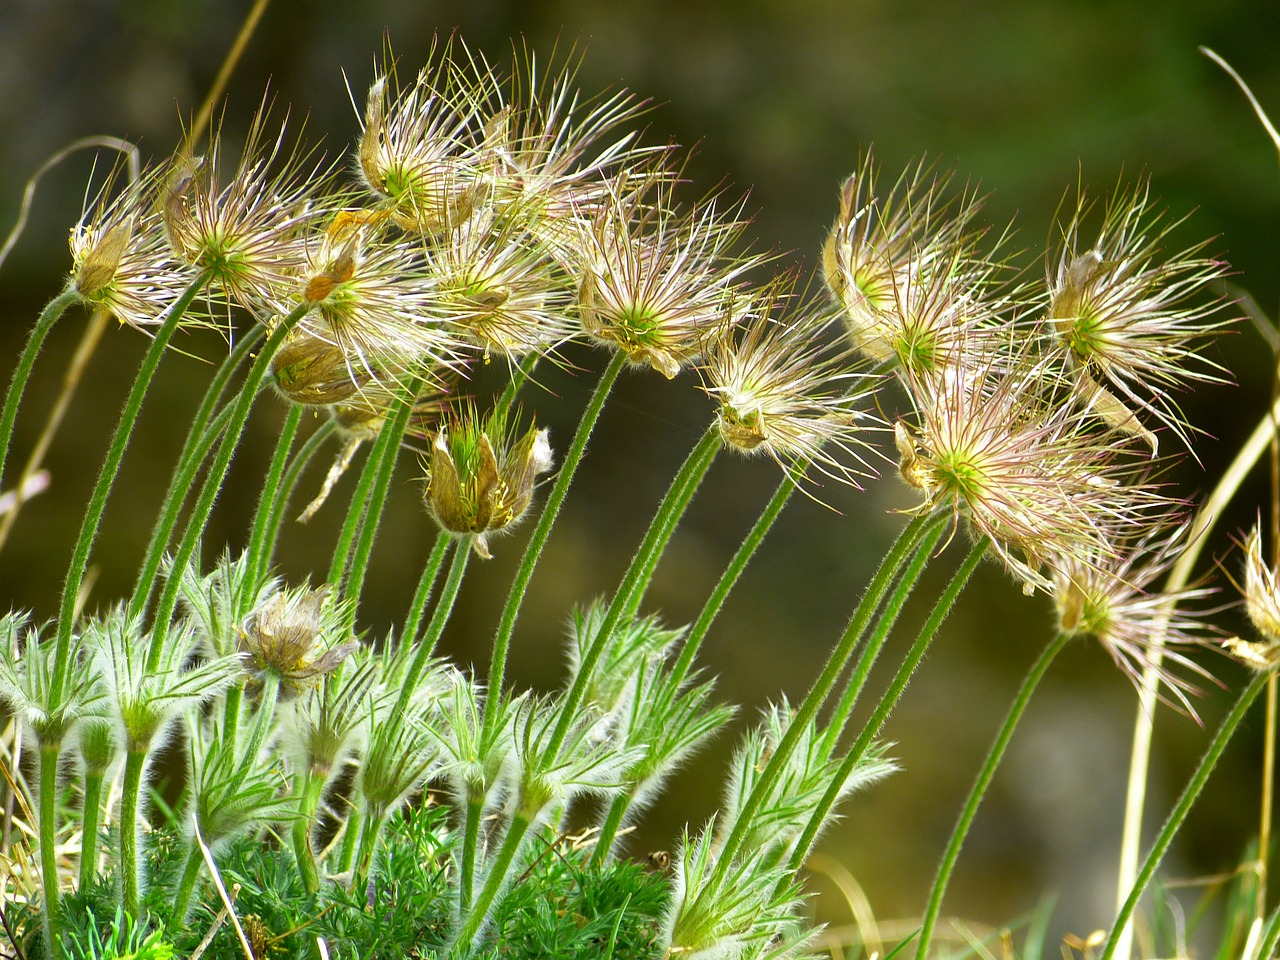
x,y
887,702
494,882
670,511
264,718
130,801
884,626
609,829
102,489
985,775
729,578
636,579
300,832
538,539
214,479
259,548
426,583
48,316
90,819
1179,813
370,829
439,617
373,499
204,430
369,490
813,701
51,904
470,846
290,482
232,706
187,885
349,839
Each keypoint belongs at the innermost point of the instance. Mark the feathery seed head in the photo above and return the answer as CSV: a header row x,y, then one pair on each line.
x,y
121,262
891,261
1130,317
785,389
656,284
1022,471
418,154
481,477
1111,597
244,226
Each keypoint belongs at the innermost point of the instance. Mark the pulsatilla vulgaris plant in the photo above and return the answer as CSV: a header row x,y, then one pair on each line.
x,y
498,214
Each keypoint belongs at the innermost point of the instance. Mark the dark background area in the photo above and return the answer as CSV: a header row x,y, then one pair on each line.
x,y
778,97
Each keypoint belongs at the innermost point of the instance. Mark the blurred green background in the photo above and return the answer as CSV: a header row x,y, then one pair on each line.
x,y
778,97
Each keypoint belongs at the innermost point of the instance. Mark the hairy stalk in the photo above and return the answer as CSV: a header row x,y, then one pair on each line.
x,y
135,761
426,583
48,317
538,539
494,881
613,820
70,381
259,547
1179,813
1179,576
90,821
300,831
51,904
214,479
290,482
985,775
911,535
636,579
187,884
698,632
889,700
470,847
204,430
439,617
351,835
106,480
672,508
351,552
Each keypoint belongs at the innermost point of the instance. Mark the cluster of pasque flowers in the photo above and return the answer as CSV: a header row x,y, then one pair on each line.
x,y
1035,410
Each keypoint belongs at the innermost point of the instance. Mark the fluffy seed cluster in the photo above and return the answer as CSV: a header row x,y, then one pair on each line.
x,y
1033,411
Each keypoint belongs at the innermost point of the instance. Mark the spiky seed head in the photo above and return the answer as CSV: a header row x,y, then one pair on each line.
x,y
481,479
1131,317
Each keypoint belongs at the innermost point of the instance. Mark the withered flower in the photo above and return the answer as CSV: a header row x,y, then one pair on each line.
x,y
289,638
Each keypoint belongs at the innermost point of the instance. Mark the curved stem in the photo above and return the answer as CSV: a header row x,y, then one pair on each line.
x,y
300,832
698,632
187,885
920,549
988,771
1179,576
816,696
636,579
48,316
538,539
371,516
204,430
439,617
259,547
90,820
290,482
609,829
71,378
1180,811
470,846
426,583
130,804
214,479
494,881
106,479
51,904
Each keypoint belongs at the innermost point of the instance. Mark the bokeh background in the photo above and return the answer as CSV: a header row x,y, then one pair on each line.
x,y
776,97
